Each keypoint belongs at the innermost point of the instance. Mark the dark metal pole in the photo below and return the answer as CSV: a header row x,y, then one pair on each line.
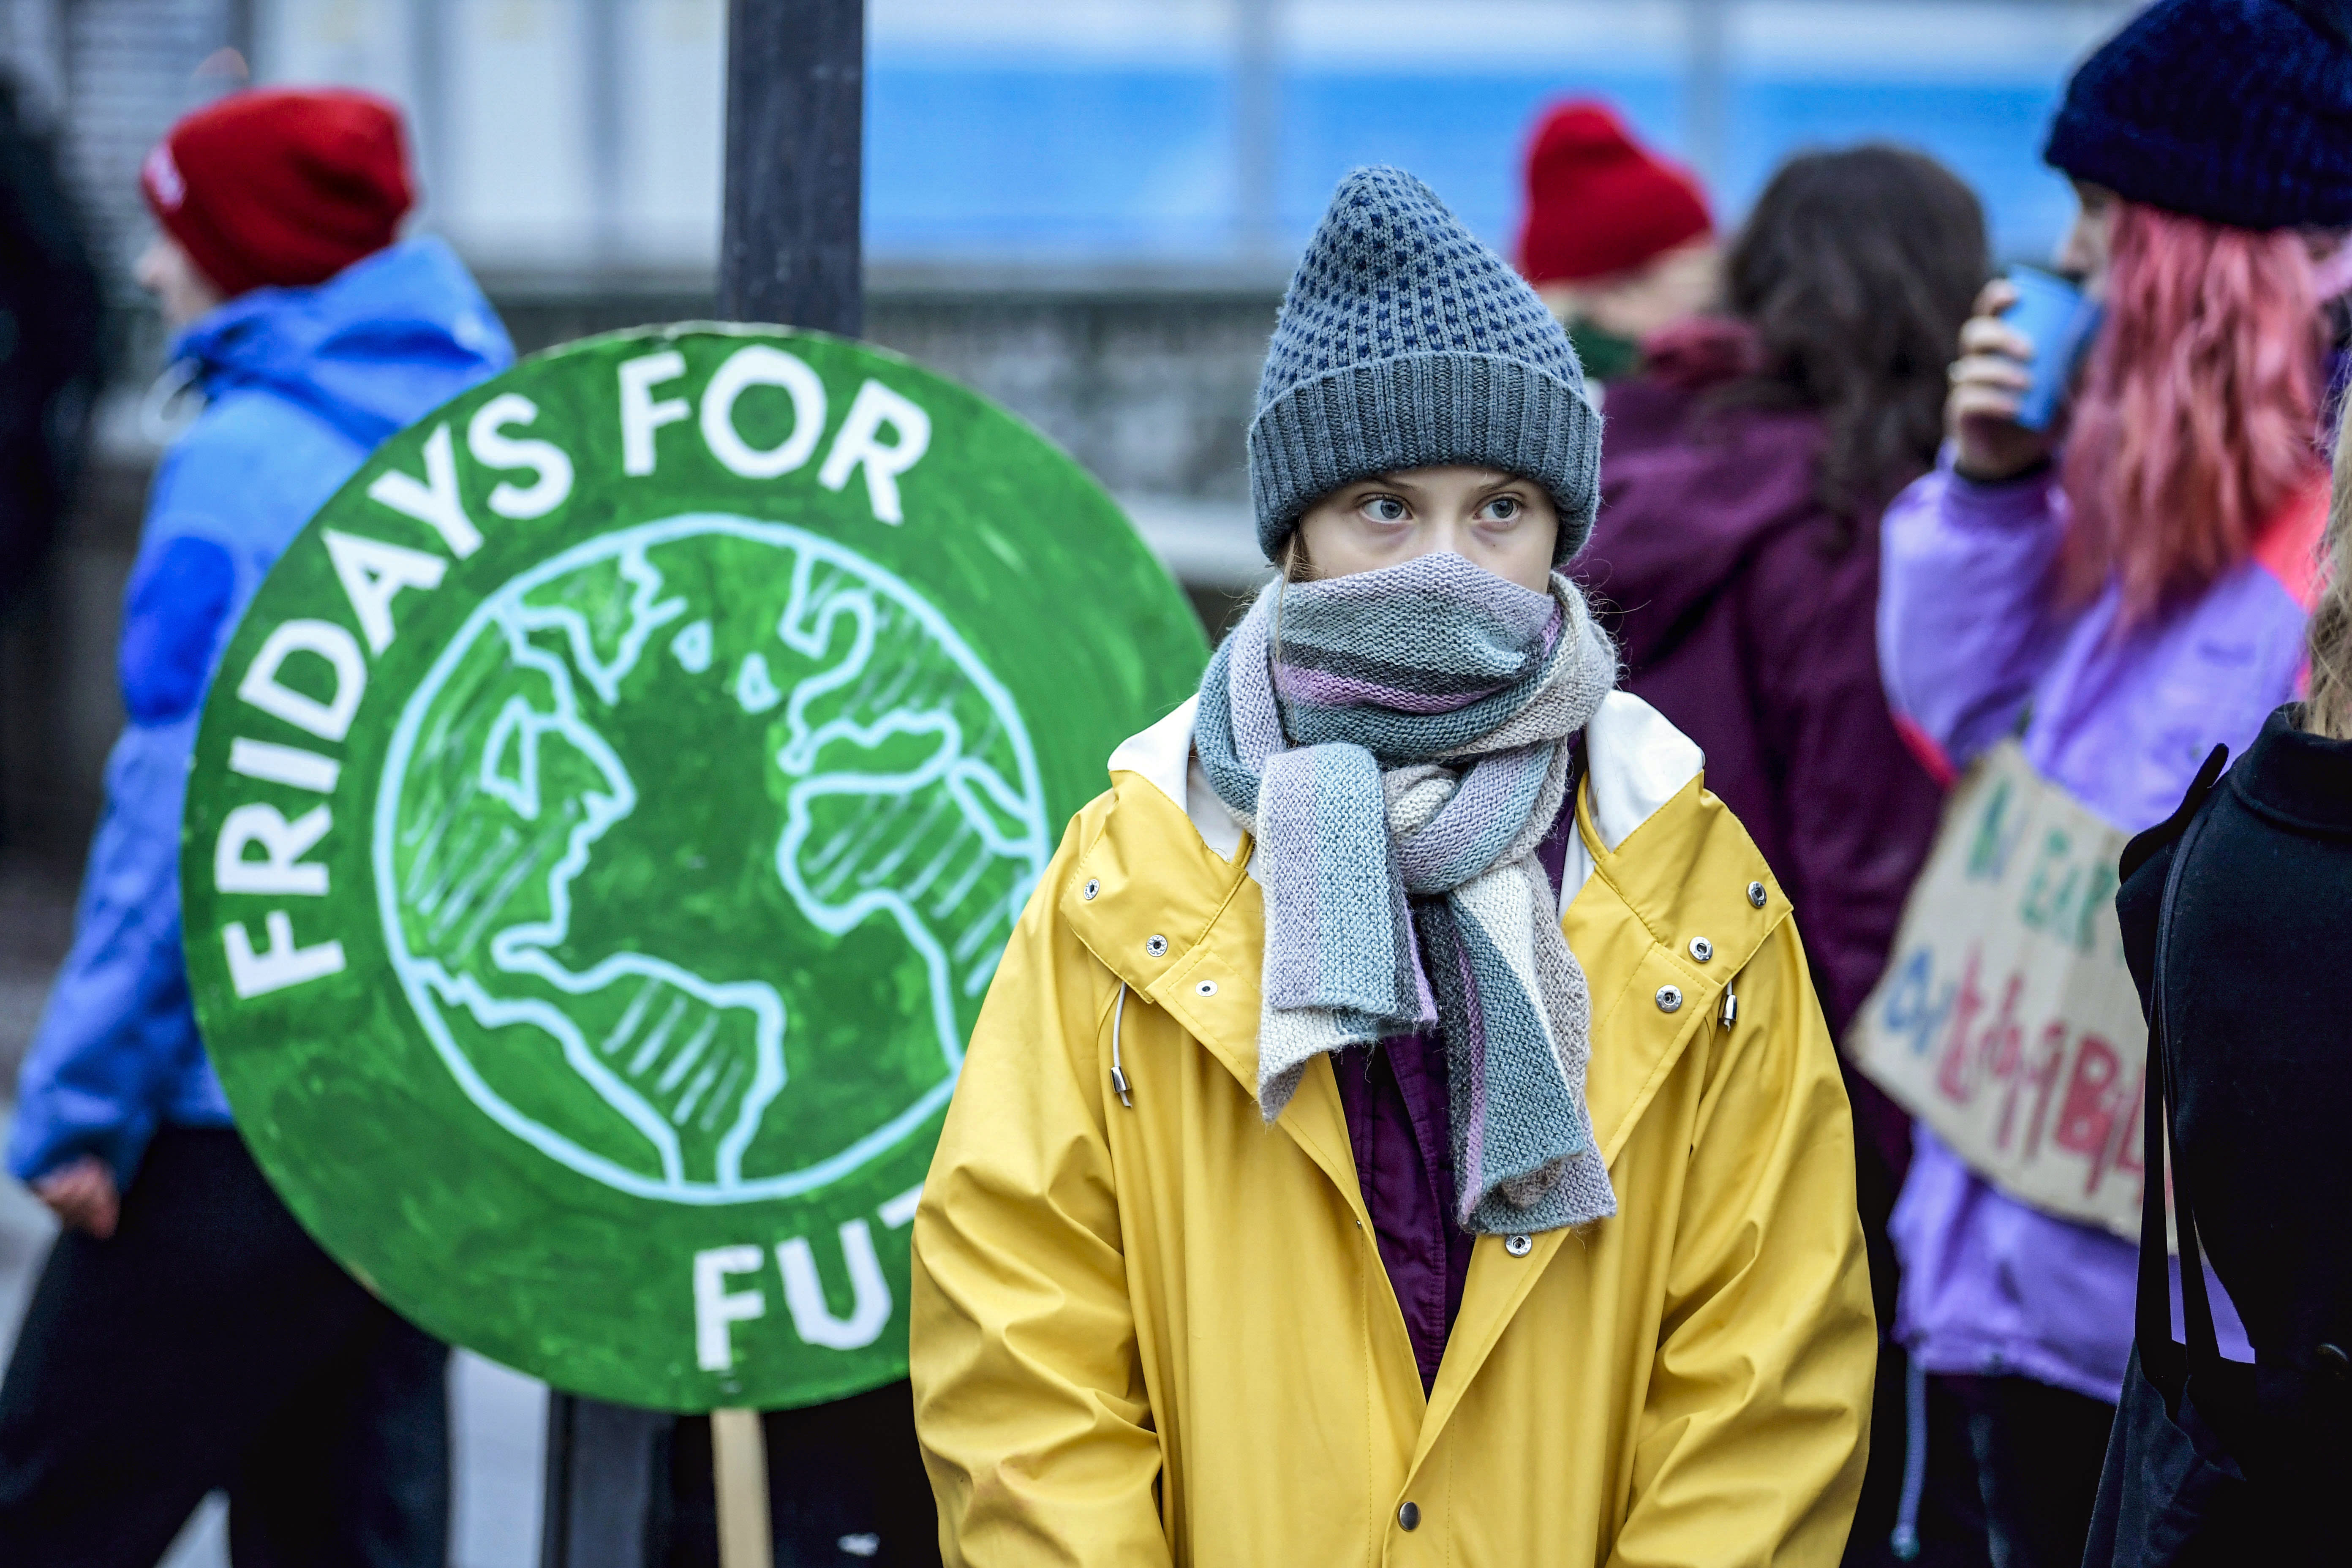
x,y
789,251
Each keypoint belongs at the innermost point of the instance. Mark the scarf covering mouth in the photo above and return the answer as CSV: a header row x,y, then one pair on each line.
x,y
1399,742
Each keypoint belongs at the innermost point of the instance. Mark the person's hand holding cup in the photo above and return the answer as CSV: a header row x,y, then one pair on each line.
x,y
1990,384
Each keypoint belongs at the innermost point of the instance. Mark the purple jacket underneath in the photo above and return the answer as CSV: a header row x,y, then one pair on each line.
x,y
1975,649
1401,1127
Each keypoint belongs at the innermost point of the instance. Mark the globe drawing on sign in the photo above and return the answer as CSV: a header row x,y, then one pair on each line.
x,y
695,851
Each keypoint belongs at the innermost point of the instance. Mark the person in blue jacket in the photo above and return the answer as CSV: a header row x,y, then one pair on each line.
x,y
187,1336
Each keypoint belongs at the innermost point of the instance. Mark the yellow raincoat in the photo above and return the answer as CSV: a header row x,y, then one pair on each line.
x,y
1159,1331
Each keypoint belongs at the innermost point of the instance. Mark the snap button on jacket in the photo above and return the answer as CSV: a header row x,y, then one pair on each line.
x,y
1160,1333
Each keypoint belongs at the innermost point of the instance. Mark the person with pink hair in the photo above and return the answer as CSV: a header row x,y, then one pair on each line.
x,y
2120,598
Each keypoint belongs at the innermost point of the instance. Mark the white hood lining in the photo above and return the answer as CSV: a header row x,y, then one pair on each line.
x,y
1635,761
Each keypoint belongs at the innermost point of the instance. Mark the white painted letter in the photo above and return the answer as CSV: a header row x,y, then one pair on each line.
x,y
330,719
436,503
877,405
289,766
900,1212
282,842
760,365
252,974
869,1308
494,448
715,1306
641,415
372,572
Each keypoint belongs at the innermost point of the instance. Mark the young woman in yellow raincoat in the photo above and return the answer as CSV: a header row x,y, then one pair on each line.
x,y
1403,1129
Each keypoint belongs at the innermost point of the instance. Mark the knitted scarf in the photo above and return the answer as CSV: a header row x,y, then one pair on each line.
x,y
1399,742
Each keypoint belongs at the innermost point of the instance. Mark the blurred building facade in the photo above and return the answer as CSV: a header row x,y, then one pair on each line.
x,y
1084,208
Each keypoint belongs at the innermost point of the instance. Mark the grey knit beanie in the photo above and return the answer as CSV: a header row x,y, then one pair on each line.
x,y
1403,343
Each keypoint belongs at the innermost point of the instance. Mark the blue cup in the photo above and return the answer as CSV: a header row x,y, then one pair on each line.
x,y
2060,321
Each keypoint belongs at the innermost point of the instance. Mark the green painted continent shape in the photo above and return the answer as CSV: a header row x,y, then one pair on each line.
x,y
608,819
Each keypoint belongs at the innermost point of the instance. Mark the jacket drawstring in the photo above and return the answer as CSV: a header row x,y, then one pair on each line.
x,y
1118,1077
1904,1542
172,402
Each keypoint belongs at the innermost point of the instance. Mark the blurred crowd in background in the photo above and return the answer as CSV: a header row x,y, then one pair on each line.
x,y
1084,208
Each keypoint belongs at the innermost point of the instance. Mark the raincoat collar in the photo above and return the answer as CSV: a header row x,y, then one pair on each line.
x,y
1167,903
1635,762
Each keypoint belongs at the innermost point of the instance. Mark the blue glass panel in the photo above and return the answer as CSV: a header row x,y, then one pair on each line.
x,y
1989,135
1462,133
1068,160
1006,161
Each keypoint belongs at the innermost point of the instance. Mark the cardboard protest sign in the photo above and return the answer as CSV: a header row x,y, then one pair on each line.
x,y
2007,1020
606,822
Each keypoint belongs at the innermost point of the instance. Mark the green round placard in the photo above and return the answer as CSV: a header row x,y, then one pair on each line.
x,y
606,821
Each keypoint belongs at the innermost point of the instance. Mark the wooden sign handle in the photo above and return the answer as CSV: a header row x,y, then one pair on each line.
x,y
739,1457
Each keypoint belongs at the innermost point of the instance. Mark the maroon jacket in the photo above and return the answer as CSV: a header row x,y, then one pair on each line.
x,y
1746,611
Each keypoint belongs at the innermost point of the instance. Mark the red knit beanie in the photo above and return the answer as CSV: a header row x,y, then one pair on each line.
x,y
281,187
1599,203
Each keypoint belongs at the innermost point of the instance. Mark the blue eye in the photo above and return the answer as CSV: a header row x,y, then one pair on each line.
x,y
1384,509
1503,509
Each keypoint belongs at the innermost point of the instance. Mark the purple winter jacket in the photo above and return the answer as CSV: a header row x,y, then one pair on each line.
x,y
1743,607
1972,646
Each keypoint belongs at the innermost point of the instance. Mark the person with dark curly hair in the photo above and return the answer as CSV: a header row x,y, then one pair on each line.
x,y
1736,560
